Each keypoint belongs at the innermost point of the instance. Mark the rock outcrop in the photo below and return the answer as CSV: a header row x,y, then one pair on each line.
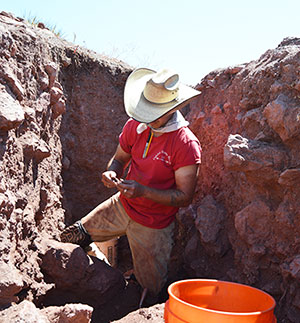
x,y
247,205
27,312
60,112
144,315
75,276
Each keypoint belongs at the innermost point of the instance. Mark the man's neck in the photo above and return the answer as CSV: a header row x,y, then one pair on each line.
x,y
156,133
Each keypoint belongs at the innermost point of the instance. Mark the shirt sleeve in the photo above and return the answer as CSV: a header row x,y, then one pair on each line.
x,y
189,154
188,150
128,135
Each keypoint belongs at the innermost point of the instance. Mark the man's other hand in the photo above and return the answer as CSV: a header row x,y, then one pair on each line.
x,y
110,179
130,188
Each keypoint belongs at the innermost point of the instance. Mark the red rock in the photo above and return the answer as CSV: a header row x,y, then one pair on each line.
x,y
35,147
147,315
59,108
23,312
70,313
11,283
55,94
51,70
258,160
290,177
211,236
11,112
283,108
73,271
15,85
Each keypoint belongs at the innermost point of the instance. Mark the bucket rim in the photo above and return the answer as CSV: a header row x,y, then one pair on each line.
x,y
217,311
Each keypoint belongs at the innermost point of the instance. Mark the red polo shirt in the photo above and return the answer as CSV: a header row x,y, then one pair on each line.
x,y
166,154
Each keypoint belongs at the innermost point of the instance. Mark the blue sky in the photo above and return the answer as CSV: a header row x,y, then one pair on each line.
x,y
193,37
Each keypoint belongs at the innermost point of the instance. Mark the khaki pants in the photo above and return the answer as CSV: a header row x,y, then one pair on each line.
x,y
150,248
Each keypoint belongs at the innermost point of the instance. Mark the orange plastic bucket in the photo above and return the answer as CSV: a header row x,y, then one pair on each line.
x,y
215,301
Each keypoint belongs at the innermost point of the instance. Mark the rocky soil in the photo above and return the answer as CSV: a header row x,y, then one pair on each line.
x,y
247,206
61,110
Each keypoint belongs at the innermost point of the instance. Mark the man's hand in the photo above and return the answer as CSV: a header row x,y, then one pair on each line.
x,y
131,189
112,176
110,179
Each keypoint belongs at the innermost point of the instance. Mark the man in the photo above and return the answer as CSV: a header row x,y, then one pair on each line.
x,y
163,157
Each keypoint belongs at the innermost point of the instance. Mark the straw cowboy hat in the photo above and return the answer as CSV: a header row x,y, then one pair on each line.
x,y
148,95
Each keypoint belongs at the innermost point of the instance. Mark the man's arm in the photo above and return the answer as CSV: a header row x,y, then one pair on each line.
x,y
182,195
115,167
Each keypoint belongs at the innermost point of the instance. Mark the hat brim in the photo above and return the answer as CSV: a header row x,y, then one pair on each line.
x,y
142,110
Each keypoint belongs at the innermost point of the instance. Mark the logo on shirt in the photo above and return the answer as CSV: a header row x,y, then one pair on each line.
x,y
163,156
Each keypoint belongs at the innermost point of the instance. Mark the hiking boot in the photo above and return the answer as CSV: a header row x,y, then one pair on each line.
x,y
77,234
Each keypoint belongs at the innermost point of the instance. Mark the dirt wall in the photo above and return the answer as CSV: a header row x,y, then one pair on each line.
x,y
246,209
60,114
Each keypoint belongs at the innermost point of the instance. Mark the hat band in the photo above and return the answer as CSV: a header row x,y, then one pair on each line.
x,y
157,93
